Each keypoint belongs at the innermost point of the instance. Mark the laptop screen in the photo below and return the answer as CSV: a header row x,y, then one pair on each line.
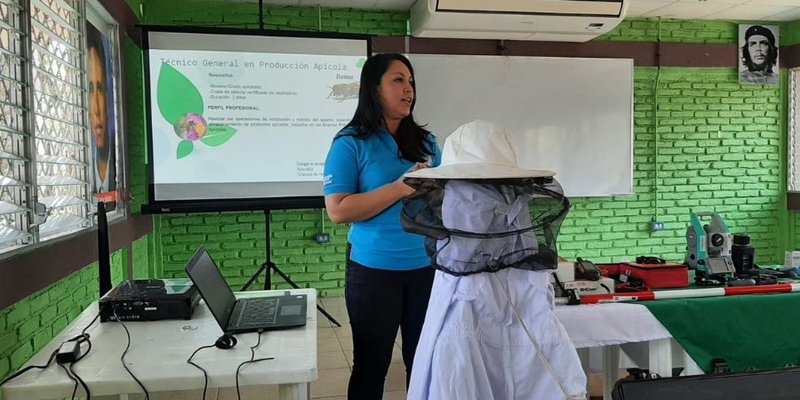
x,y
212,286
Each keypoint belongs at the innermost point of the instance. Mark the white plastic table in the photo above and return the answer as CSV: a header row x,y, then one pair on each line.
x,y
158,354
613,326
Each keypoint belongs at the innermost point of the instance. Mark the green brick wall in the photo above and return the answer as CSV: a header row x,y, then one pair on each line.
x,y
716,148
671,30
237,241
31,323
141,258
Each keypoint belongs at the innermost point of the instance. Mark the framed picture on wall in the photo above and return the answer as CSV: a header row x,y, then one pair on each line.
x,y
758,54
102,54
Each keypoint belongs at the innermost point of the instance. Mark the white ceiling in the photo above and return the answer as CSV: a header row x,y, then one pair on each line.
x,y
760,10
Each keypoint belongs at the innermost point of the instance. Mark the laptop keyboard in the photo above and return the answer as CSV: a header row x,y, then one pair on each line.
x,y
258,311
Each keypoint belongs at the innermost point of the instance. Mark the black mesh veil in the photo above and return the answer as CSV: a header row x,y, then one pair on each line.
x,y
474,226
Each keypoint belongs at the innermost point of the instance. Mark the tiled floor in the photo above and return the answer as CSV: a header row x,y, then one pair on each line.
x,y
335,357
335,351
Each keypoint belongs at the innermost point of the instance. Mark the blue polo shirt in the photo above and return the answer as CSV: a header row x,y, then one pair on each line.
x,y
362,165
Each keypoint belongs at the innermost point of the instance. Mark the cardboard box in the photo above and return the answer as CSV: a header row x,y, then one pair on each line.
x,y
583,287
565,271
791,261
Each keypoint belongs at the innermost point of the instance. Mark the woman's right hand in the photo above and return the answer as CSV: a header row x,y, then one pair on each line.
x,y
405,189
354,207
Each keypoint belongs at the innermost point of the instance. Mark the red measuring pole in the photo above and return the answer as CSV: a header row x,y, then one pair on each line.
x,y
689,293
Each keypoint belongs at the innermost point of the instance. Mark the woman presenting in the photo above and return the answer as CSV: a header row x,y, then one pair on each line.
x,y
388,279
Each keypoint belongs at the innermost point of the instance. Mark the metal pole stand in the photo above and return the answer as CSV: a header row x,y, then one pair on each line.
x,y
268,266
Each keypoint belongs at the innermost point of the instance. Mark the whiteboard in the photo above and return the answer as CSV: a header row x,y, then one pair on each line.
x,y
573,116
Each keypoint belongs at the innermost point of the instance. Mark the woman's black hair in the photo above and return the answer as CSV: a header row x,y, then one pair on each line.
x,y
94,40
414,141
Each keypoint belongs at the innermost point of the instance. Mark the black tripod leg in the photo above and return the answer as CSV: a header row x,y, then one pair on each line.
x,y
328,316
294,285
255,277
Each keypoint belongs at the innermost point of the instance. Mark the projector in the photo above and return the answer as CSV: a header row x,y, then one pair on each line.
x,y
149,300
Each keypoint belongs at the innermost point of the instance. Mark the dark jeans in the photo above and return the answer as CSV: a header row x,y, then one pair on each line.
x,y
378,302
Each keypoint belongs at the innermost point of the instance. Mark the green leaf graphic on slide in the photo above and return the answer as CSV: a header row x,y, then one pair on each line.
x,y
177,95
185,148
361,62
218,134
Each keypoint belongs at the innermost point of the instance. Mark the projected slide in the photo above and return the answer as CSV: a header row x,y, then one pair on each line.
x,y
240,117
252,118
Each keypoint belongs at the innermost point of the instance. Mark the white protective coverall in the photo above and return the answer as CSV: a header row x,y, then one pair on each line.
x,y
473,344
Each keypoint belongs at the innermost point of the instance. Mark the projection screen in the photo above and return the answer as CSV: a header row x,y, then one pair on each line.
x,y
243,121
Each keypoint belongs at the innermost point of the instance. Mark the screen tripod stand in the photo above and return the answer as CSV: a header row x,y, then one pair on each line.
x,y
268,266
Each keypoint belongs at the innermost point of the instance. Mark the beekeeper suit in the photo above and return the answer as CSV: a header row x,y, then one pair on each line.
x,y
490,332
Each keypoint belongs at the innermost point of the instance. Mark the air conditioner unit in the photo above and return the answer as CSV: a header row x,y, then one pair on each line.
x,y
550,20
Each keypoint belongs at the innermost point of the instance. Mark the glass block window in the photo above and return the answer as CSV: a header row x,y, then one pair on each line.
x,y
15,188
59,124
48,180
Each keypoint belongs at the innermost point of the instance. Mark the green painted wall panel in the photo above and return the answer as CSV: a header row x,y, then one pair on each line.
x,y
790,33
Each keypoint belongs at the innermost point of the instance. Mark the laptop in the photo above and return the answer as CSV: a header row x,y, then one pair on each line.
x,y
246,314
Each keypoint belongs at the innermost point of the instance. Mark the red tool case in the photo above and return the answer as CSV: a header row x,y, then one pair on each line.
x,y
658,276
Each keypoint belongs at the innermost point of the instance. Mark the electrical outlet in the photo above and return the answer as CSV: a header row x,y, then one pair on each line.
x,y
323,238
657,226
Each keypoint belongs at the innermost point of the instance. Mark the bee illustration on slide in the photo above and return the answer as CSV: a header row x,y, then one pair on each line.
x,y
344,91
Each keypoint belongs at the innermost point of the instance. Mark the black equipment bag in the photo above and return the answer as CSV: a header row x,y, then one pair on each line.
x,y
777,384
